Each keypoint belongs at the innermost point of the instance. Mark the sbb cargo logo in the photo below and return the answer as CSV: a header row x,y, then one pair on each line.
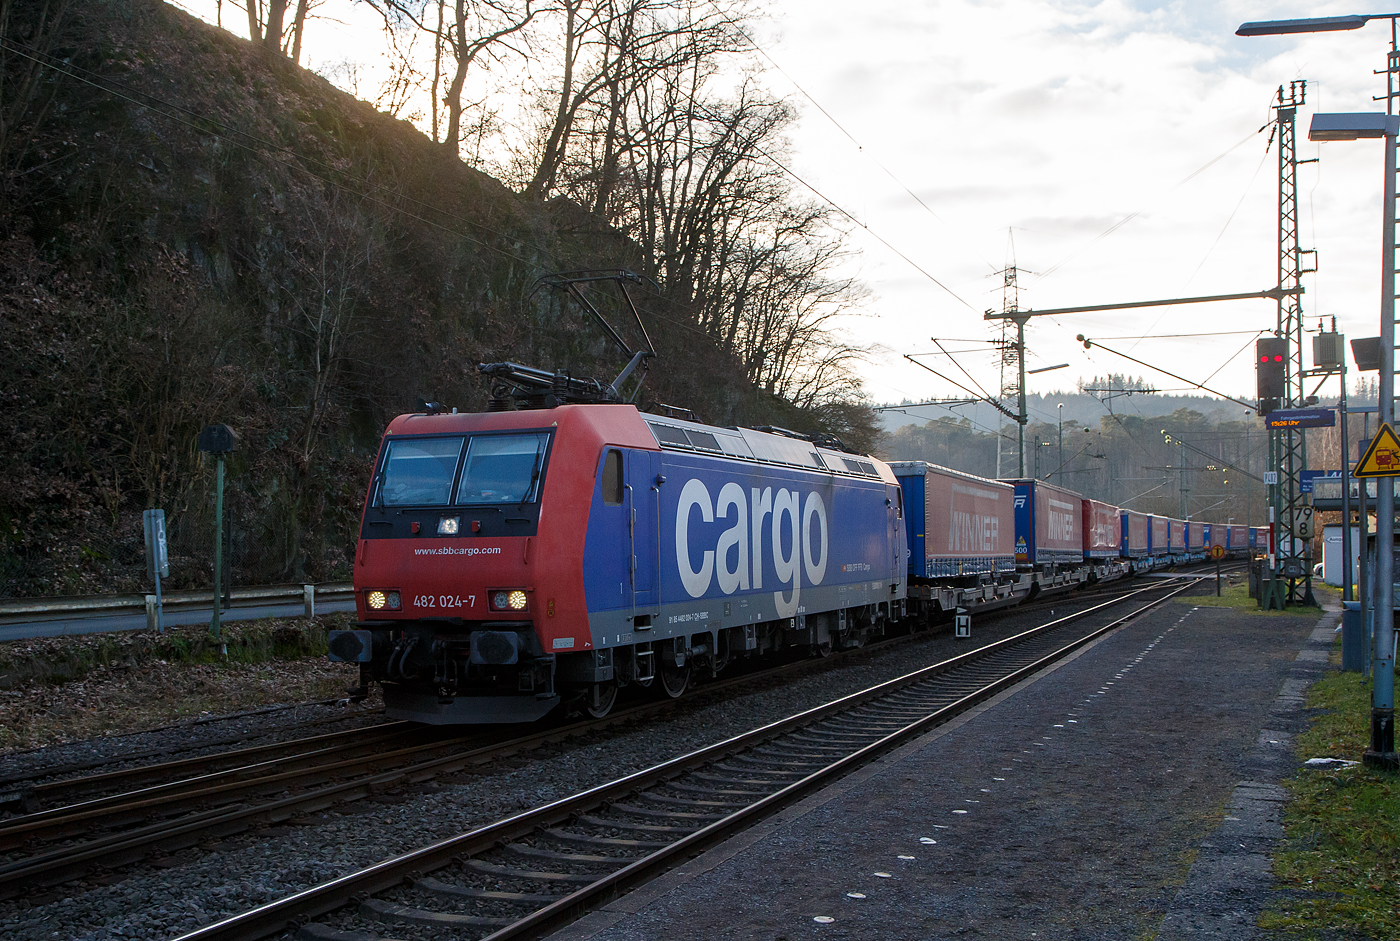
x,y
795,524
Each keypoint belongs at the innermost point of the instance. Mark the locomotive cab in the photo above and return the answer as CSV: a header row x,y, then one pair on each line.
x,y
458,620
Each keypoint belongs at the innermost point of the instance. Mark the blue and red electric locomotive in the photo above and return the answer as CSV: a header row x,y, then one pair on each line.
x,y
509,560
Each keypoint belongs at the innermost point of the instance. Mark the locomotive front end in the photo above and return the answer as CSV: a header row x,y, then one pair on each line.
x,y
445,581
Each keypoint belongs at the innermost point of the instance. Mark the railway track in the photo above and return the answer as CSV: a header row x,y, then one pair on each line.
x,y
537,870
113,819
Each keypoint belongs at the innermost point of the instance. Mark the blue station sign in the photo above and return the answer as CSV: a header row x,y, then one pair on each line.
x,y
1307,477
1302,418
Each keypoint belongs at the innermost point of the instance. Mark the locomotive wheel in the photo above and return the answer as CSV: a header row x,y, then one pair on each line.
x,y
599,699
672,680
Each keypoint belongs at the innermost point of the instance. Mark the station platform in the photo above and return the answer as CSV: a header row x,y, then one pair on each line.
x,y
1133,791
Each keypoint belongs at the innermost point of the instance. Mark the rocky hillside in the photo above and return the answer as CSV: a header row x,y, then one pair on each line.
x,y
192,232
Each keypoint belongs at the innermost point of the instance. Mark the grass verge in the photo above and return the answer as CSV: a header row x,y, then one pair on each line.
x,y
1235,594
1341,860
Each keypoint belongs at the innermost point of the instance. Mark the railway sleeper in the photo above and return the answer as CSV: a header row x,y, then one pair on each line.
x,y
672,800
655,813
809,753
315,931
452,890
531,875
604,823
767,768
535,852
817,746
776,764
588,839
721,792
726,781
392,912
835,733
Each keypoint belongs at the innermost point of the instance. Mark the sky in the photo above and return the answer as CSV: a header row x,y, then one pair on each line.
x,y
1112,151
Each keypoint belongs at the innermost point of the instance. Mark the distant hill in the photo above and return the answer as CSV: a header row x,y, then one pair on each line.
x,y
1080,407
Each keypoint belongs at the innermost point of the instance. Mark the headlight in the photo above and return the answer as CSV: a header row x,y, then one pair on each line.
x,y
447,525
379,600
512,599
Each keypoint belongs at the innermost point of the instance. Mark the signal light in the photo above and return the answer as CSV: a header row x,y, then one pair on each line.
x,y
1271,363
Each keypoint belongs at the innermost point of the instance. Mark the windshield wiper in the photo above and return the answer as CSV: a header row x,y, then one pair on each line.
x,y
534,476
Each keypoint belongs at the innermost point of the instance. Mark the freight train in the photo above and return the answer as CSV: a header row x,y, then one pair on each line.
x,y
515,562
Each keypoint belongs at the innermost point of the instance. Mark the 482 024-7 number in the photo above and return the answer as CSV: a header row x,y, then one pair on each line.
x,y
443,601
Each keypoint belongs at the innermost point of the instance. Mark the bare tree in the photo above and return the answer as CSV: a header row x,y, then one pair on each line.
x,y
464,32
28,35
267,25
610,49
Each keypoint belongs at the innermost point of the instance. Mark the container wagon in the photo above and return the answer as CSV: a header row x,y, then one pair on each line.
x,y
961,530
1049,534
1135,528
1159,543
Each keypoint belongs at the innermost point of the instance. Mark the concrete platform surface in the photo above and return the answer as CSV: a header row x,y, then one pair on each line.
x,y
1130,793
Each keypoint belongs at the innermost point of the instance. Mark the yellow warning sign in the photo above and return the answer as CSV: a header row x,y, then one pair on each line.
x,y
1382,458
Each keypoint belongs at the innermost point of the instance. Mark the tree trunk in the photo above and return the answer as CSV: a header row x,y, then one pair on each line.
x,y
557,143
254,8
276,15
298,24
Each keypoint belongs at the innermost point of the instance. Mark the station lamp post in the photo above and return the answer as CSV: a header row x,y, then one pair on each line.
x,y
1344,127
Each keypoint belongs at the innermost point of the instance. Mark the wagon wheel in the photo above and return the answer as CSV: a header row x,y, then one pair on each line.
x,y
599,699
672,680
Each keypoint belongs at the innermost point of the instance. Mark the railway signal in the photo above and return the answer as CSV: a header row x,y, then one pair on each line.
x,y
1271,363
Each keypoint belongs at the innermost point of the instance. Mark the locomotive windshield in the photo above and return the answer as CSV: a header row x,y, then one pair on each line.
x,y
496,469
419,471
502,469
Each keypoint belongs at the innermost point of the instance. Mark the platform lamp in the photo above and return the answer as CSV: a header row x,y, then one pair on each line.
x,y
218,440
1353,127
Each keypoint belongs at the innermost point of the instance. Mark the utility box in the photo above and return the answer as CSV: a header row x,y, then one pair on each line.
x,y
1329,349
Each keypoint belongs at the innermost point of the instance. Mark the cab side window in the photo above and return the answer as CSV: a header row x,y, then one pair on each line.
x,y
612,479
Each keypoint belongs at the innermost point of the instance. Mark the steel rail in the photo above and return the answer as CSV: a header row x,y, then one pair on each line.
x,y
277,916
48,792
130,846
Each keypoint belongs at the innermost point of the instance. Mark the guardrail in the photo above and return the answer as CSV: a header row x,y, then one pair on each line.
x,y
39,611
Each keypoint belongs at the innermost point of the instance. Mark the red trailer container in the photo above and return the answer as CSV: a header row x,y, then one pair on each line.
x,y
1134,531
1219,536
1176,535
1195,535
1102,531
1160,544
1238,539
958,524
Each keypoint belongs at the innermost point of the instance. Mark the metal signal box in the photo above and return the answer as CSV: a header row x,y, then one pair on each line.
x,y
1329,349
